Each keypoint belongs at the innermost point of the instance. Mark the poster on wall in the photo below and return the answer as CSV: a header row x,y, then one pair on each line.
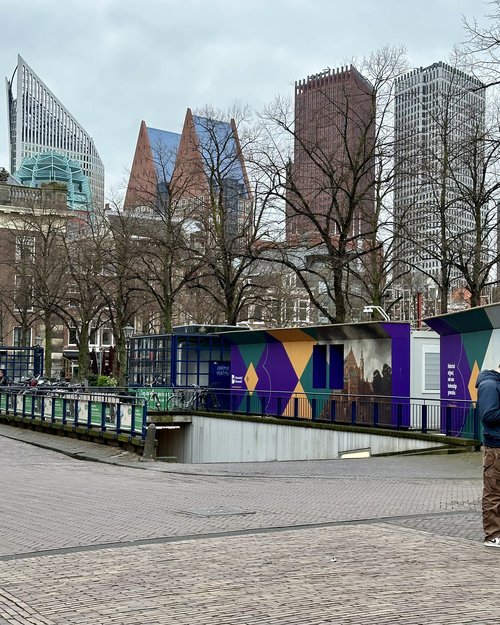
x,y
463,356
368,367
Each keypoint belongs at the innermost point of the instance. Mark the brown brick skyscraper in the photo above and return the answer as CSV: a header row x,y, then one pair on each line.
x,y
331,179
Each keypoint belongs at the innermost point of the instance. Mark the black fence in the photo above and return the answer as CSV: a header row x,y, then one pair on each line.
x,y
20,362
457,418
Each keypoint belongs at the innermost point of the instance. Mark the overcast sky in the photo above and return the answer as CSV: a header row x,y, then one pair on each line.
x,y
113,63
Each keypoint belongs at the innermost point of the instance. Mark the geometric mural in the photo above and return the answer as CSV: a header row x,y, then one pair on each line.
x,y
295,364
469,343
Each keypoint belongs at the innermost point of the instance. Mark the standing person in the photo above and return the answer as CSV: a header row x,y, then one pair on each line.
x,y
3,378
488,407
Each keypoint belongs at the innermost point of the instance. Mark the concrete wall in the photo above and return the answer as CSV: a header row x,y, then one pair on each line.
x,y
209,439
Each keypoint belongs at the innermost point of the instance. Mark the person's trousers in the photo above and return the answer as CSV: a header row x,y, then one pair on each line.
x,y
491,492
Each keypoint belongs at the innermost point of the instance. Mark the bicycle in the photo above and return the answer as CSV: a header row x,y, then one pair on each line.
x,y
153,396
208,399
178,400
198,399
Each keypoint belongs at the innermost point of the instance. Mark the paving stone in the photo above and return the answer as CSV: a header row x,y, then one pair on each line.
x,y
380,540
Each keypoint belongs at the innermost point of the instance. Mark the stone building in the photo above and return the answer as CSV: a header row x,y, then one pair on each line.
x,y
25,214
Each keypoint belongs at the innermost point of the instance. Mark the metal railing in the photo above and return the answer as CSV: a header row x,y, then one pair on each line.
x,y
451,418
126,411
122,413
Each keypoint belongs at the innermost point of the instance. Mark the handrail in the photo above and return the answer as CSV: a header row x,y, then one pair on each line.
x,y
451,417
118,412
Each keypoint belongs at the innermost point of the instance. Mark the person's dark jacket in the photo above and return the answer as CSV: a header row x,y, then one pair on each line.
x,y
488,406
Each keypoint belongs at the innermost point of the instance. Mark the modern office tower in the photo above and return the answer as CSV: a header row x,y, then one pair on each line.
x,y
152,168
38,123
191,170
333,153
437,109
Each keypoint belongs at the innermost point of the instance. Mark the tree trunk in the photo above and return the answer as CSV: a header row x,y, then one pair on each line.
x,y
167,313
83,351
338,291
48,344
122,360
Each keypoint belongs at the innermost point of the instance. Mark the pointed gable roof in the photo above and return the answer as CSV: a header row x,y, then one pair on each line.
x,y
153,165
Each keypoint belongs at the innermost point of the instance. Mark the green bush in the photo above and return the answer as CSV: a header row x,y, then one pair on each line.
x,y
106,380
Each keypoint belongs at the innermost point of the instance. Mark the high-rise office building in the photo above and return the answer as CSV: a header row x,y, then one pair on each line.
x,y
153,166
38,123
437,109
186,169
333,159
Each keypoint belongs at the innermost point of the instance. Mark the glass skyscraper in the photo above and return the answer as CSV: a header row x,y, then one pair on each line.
x,y
38,123
439,111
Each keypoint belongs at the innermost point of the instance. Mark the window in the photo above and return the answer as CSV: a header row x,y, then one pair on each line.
x,y
23,293
16,342
72,336
106,336
337,366
319,366
72,294
431,369
17,335
25,249
303,310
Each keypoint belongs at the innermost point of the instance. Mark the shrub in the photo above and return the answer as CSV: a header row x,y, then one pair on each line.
x,y
106,380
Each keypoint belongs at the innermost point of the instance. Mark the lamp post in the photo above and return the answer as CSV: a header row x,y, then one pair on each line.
x,y
38,356
128,331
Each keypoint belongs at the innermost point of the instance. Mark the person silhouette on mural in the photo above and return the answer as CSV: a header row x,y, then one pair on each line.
x,y
488,408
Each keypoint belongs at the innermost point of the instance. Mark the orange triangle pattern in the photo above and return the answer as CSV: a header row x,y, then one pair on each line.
x,y
305,409
472,381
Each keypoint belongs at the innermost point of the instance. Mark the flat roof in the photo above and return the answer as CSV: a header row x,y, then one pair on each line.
x,y
326,333
469,320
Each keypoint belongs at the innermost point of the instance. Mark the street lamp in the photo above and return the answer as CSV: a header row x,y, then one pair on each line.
x,y
38,356
371,307
128,331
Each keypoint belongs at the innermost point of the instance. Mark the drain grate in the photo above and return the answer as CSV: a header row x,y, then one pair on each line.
x,y
216,511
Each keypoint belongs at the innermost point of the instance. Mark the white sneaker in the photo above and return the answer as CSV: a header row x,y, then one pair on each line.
x,y
494,542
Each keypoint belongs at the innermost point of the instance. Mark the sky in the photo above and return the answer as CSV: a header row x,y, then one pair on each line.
x,y
113,63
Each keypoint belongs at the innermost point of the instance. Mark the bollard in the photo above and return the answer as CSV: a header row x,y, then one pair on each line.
x,y
148,454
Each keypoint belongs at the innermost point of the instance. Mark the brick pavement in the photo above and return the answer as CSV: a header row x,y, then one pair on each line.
x,y
353,574
404,532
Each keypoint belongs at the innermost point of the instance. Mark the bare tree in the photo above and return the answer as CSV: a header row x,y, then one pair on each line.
x,y
433,221
36,258
480,52
328,190
161,206
48,226
476,244
83,306
229,223
120,288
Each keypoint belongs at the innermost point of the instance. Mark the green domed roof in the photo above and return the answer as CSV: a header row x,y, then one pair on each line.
x,y
54,167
